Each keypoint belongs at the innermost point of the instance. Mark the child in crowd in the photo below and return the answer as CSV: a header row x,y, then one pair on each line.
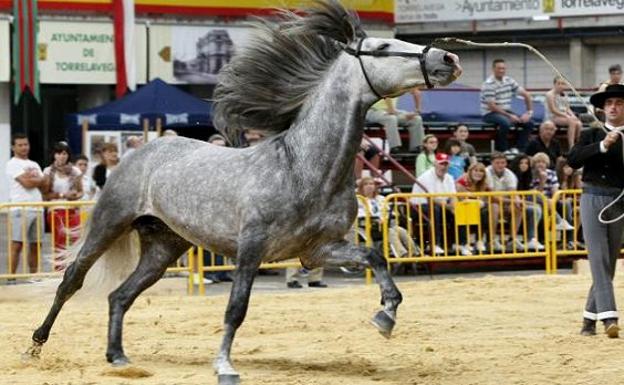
x,y
426,159
457,163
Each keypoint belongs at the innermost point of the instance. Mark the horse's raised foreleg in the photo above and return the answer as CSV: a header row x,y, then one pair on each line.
x,y
249,256
347,254
160,246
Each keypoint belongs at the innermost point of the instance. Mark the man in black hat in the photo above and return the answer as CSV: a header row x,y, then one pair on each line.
x,y
600,155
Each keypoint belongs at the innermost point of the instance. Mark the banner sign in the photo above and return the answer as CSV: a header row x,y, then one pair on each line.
x,y
83,53
193,54
409,11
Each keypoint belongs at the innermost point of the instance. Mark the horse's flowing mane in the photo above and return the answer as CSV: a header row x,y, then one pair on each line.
x,y
265,85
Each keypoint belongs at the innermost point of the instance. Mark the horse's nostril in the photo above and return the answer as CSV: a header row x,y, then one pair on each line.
x,y
448,59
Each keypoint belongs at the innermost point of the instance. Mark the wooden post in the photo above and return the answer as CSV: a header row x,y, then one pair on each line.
x,y
158,127
145,129
85,132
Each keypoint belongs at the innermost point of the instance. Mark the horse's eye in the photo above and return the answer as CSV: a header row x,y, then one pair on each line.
x,y
383,46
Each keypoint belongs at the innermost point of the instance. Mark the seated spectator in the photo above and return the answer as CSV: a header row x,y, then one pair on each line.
x,y
384,112
457,163
401,242
500,178
615,77
426,159
110,159
569,178
468,151
545,181
370,153
545,142
89,188
558,110
438,181
496,95
475,180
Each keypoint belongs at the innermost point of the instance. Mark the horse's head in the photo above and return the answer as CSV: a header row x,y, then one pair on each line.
x,y
392,66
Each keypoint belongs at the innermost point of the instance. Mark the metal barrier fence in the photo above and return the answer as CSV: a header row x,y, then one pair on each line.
x,y
33,253
466,226
469,226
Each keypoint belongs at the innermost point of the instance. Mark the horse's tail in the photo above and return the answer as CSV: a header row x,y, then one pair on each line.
x,y
113,266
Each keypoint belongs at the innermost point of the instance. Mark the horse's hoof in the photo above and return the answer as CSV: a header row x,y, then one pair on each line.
x,y
229,379
33,352
384,323
119,362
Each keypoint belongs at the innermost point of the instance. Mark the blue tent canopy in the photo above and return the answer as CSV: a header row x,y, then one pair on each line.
x,y
157,99
459,104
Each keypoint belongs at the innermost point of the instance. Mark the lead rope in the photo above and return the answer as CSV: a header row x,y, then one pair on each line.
x,y
587,106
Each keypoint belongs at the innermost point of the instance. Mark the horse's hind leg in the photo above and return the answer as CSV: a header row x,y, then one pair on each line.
x,y
347,254
101,234
159,248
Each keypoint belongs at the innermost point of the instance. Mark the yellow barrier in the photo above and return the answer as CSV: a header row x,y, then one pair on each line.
x,y
73,216
507,214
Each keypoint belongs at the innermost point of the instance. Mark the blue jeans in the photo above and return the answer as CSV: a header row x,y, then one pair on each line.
x,y
504,124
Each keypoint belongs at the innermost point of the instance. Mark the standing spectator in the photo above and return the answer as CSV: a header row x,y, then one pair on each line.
x,y
426,159
468,151
132,144
89,188
315,277
457,164
25,180
438,181
62,182
558,110
251,137
600,155
496,95
217,140
546,142
384,112
170,132
110,160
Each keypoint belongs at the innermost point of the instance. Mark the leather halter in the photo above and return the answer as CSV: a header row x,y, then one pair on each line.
x,y
358,53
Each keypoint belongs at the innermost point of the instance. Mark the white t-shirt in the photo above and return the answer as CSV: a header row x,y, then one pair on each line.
x,y
89,188
18,193
507,182
434,184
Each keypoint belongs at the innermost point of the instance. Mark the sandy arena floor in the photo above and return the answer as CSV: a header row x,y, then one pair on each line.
x,y
492,330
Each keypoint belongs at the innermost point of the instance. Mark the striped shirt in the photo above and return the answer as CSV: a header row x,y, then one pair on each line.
x,y
500,92
550,184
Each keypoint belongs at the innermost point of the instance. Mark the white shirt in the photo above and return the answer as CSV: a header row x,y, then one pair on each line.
x,y
88,187
374,207
18,193
62,183
434,184
506,182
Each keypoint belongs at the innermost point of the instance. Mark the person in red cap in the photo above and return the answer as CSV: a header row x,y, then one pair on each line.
x,y
600,155
437,180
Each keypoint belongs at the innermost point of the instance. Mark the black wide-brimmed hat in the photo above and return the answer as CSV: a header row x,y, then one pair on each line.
x,y
612,91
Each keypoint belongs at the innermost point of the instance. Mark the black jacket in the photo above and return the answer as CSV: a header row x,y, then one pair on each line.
x,y
599,169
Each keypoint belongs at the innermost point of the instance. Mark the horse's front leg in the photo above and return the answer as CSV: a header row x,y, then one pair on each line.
x,y
248,258
347,254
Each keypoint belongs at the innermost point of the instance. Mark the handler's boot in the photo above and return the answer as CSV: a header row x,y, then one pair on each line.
x,y
589,327
612,330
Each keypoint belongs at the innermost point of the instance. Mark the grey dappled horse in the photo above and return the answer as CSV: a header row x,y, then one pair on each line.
x,y
309,81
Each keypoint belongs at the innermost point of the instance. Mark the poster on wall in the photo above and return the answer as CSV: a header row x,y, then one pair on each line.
x,y
193,54
84,53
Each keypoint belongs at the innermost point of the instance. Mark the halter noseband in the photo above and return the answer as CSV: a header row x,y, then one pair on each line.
x,y
358,53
